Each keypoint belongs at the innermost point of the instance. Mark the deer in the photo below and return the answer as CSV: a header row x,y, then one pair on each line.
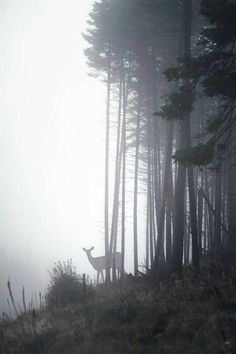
x,y
99,263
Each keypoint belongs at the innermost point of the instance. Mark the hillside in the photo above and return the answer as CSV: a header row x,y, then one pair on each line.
x,y
192,315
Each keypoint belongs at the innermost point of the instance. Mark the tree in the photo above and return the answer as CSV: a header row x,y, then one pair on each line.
x,y
212,72
129,49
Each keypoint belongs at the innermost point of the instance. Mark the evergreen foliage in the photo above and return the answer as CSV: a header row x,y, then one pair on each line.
x,y
179,103
201,154
130,45
214,72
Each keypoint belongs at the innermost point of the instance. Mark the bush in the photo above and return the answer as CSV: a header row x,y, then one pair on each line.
x,y
65,286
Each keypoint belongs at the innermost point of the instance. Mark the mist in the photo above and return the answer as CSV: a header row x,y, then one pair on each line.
x,y
50,206
117,176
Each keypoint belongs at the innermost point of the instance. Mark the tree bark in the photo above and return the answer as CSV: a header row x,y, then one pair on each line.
x,y
123,180
185,143
232,194
135,209
200,216
106,207
217,224
119,151
169,212
166,188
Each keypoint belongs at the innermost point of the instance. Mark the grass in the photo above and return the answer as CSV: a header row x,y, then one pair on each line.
x,y
194,315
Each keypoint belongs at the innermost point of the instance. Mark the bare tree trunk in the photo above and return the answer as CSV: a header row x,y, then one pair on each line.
x,y
185,142
223,226
232,208
147,231
191,185
123,181
232,193
217,225
205,239
209,231
179,214
106,208
150,192
119,151
187,235
200,216
193,218
169,210
166,186
224,210
135,213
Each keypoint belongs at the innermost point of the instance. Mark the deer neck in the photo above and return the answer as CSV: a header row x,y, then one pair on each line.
x,y
91,259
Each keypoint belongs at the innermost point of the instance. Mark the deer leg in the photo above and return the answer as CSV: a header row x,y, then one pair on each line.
x,y
97,276
102,276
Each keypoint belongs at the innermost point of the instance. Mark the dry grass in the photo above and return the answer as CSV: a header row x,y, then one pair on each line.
x,y
194,315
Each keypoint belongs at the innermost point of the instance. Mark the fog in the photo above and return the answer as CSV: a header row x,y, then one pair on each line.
x,y
51,143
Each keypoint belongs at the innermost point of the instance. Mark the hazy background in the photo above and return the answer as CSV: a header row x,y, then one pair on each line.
x,y
51,175
52,138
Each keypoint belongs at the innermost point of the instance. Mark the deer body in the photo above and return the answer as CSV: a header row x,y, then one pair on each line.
x,y
99,263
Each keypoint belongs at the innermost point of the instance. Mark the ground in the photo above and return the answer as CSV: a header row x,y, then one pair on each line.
x,y
192,315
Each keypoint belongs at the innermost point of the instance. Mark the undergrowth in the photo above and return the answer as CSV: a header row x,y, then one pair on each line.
x,y
192,315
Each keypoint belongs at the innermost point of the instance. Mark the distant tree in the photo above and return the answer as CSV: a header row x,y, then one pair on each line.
x,y
127,31
131,42
179,107
213,73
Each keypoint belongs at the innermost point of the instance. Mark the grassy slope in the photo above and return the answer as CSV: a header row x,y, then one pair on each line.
x,y
192,316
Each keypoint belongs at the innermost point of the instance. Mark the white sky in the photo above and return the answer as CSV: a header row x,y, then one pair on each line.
x,y
51,140
52,137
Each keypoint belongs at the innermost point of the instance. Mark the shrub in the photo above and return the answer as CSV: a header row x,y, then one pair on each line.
x,y
65,286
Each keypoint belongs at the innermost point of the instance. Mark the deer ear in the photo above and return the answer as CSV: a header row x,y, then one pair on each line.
x,y
92,248
84,249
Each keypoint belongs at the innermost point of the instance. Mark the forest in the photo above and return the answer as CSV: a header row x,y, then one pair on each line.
x,y
169,70
169,67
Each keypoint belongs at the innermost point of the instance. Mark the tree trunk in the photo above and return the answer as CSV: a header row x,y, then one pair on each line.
x,y
232,194
179,213
119,152
217,225
193,218
135,212
166,188
169,210
106,208
123,180
147,231
185,142
200,216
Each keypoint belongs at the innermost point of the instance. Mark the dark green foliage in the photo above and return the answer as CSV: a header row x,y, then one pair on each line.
x,y
211,72
221,16
199,155
220,82
185,70
65,286
179,104
130,29
214,124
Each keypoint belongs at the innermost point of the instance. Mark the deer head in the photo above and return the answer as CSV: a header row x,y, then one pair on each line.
x,y
88,251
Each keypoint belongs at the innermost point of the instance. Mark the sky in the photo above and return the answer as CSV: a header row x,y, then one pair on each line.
x,y
51,142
